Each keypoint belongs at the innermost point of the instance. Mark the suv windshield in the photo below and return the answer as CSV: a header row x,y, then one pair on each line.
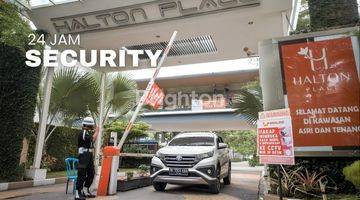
x,y
192,141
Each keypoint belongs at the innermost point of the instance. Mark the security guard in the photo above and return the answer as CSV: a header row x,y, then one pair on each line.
x,y
86,171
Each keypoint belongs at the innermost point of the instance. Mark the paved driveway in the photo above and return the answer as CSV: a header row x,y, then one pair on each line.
x,y
244,186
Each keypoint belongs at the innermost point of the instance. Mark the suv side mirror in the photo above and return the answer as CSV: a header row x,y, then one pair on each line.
x,y
222,146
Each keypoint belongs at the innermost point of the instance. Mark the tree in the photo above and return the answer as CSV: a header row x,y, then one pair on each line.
x,y
303,23
139,129
243,142
73,96
120,95
326,14
18,89
248,102
317,15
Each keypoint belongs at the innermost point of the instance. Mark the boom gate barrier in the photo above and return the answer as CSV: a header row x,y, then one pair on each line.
x,y
108,175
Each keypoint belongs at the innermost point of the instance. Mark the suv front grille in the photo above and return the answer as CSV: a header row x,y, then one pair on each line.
x,y
187,161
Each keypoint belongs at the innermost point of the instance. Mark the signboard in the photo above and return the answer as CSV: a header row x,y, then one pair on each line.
x,y
321,85
196,104
155,97
154,11
274,137
214,104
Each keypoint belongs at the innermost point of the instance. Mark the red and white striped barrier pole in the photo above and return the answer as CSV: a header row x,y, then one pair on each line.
x,y
109,152
148,88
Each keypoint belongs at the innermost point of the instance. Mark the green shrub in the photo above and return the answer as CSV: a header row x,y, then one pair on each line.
x,y
139,129
61,144
302,183
144,169
237,160
352,173
325,14
18,89
135,149
254,161
129,175
133,162
288,180
331,167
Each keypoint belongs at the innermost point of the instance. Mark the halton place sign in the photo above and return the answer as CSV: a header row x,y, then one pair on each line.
x,y
150,12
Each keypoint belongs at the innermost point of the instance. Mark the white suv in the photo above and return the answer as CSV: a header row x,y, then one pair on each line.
x,y
192,158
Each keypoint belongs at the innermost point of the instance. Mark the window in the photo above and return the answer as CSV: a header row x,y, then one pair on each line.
x,y
218,142
221,140
192,141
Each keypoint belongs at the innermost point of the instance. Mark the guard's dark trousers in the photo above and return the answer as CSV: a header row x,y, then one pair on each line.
x,y
86,171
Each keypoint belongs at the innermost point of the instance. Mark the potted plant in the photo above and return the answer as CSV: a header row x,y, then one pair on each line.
x,y
129,175
144,169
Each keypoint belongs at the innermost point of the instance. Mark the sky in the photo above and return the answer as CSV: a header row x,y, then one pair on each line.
x,y
36,3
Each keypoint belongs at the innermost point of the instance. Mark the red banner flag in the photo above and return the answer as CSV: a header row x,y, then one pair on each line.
x,y
155,96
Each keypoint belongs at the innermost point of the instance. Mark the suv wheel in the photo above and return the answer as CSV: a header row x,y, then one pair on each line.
x,y
215,187
158,186
227,179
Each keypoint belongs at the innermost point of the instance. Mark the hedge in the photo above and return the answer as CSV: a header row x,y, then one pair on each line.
x,y
133,162
18,91
61,144
138,130
332,13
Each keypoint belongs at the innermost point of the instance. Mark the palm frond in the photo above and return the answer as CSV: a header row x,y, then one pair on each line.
x,y
123,94
248,103
74,93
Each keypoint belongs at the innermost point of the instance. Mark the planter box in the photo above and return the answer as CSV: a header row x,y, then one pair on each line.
x,y
136,182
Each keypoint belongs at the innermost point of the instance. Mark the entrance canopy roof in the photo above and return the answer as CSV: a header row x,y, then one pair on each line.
x,y
221,73
206,120
209,30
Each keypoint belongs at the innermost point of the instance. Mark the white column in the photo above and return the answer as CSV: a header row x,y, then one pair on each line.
x,y
114,167
101,119
43,118
42,126
114,135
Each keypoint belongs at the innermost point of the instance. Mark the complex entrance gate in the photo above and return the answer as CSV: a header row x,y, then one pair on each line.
x,y
204,26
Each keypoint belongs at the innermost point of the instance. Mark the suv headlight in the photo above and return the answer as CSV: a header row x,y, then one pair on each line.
x,y
160,155
205,155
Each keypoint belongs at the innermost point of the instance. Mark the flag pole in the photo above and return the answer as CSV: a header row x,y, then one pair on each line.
x,y
148,88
